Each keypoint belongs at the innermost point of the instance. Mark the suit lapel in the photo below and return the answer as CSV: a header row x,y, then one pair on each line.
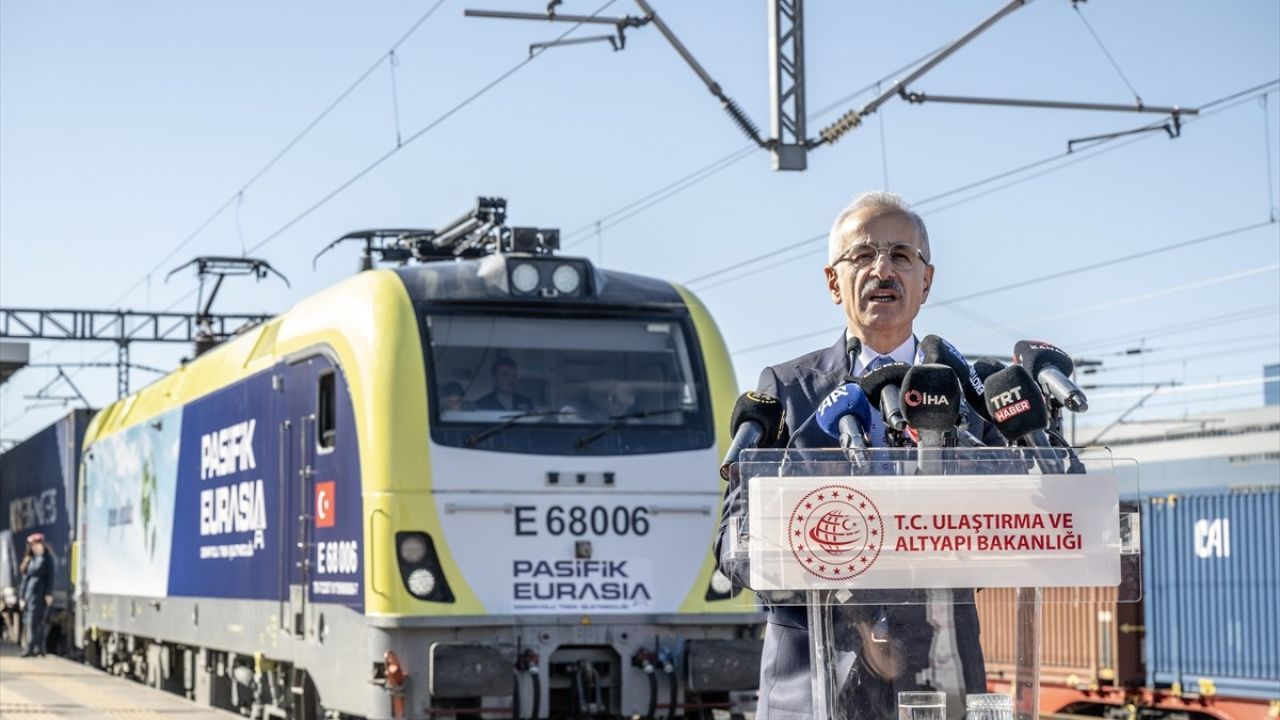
x,y
830,369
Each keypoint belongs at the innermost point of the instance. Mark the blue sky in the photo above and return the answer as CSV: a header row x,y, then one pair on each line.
x,y
123,126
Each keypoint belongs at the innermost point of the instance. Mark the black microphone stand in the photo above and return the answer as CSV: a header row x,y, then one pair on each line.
x,y
936,455
934,452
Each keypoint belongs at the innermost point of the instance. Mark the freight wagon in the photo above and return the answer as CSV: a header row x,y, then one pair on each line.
x,y
1204,643
38,494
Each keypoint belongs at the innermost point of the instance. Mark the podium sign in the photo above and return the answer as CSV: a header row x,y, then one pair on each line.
x,y
923,532
877,556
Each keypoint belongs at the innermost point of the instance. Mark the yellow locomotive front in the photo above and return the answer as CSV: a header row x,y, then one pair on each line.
x,y
556,512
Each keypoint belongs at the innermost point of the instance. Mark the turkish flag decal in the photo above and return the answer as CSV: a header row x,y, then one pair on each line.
x,y
326,504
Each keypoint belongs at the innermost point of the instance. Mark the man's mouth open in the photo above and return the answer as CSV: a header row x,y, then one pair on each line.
x,y
876,297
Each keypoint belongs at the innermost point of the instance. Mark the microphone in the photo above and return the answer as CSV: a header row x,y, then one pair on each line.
x,y
883,389
931,402
1052,367
1020,413
845,414
758,419
852,347
985,368
936,350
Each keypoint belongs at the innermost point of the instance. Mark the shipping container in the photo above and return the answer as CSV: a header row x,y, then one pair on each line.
x,y
1212,584
1088,640
38,494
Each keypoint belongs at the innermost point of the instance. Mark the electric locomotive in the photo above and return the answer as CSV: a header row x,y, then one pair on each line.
x,y
479,484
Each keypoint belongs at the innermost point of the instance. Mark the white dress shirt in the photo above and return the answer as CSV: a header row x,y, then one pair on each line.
x,y
908,352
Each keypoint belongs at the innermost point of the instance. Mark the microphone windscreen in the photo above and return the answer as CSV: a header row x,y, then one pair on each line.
x,y
931,397
936,350
1035,355
761,408
1015,403
874,382
986,367
848,399
853,346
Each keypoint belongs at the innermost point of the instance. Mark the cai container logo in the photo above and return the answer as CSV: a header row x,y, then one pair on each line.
x,y
836,532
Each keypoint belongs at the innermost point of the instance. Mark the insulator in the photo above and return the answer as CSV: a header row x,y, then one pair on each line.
x,y
741,120
837,129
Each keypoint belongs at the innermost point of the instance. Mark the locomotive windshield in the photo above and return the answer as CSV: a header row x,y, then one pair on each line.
x,y
572,386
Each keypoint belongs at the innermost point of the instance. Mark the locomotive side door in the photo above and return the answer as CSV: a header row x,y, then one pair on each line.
x,y
298,443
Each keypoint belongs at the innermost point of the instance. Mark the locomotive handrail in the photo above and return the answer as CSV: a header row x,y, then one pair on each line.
x,y
373,547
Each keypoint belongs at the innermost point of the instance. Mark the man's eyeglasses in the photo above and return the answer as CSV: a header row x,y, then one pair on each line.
x,y
902,256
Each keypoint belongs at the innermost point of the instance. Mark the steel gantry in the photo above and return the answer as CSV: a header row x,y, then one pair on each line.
x,y
122,327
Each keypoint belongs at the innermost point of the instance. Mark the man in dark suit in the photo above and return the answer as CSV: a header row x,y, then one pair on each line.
x,y
504,395
879,272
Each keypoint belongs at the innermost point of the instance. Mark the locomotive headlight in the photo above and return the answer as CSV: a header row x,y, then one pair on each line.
x,y
567,279
720,584
420,567
421,582
525,278
413,548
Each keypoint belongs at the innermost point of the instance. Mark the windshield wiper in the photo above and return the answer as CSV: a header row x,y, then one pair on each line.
x,y
619,421
508,422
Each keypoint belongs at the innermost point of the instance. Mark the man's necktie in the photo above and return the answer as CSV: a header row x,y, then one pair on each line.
x,y
876,433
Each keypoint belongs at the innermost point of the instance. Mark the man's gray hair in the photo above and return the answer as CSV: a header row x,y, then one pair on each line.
x,y
878,202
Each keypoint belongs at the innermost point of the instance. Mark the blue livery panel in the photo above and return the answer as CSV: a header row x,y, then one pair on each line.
x,y
228,533
233,496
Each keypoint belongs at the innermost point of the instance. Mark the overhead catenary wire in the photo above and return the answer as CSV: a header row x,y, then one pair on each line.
x,y
1028,178
1039,279
238,195
722,163
1131,352
884,150
918,205
635,207
1273,205
1110,58
336,191
1069,158
1239,94
1170,388
416,135
756,258
727,279
1181,328
1164,292
987,322
395,94
1216,398
1221,347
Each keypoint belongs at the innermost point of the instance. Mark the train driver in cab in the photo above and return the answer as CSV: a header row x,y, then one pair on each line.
x,y
504,396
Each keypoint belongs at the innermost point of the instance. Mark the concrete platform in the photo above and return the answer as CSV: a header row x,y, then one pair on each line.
x,y
52,688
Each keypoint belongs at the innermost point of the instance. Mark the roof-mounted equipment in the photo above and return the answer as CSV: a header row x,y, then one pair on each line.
x,y
389,245
476,233
221,266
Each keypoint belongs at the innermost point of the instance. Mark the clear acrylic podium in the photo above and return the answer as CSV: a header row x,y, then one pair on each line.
x,y
884,551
